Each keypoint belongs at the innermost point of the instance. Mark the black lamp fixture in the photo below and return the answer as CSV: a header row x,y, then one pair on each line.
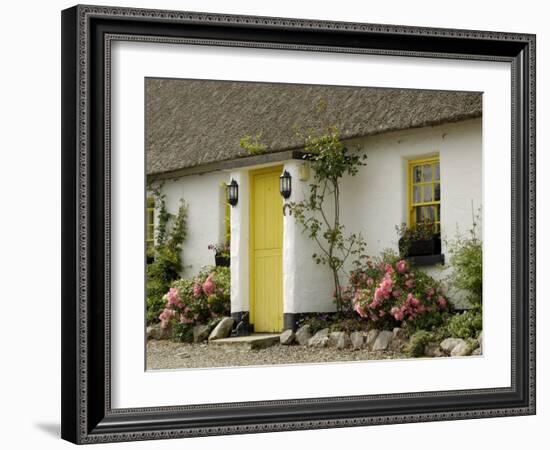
x,y
232,190
285,184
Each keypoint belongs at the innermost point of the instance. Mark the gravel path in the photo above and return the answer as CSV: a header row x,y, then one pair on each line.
x,y
170,355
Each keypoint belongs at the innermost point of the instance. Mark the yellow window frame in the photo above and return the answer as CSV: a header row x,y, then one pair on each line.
x,y
150,223
412,183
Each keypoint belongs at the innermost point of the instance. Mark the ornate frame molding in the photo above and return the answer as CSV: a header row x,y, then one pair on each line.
x,y
88,32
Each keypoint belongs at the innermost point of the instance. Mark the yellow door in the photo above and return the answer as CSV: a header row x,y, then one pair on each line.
x,y
266,242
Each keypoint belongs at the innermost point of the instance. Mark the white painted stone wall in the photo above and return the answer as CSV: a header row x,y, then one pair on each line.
x,y
307,286
372,203
205,196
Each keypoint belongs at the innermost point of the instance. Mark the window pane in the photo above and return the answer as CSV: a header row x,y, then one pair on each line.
x,y
427,171
417,174
416,194
427,193
436,168
437,189
426,213
430,213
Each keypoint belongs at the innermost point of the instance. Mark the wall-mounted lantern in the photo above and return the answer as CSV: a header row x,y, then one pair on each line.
x,y
232,191
285,184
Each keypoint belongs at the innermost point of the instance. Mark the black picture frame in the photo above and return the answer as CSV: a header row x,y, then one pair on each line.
x,y
87,416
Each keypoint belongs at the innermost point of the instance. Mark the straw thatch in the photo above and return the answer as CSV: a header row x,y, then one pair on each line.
x,y
194,122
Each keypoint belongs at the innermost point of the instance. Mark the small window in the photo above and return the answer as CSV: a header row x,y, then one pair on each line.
x,y
150,225
425,192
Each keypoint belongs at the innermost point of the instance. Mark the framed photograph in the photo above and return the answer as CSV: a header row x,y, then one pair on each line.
x,y
282,224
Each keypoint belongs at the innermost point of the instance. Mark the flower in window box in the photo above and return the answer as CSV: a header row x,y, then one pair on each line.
x,y
221,254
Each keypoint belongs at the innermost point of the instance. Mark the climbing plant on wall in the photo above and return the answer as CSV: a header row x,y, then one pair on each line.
x,y
171,231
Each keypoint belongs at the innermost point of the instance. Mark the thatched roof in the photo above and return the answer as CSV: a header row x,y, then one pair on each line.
x,y
195,122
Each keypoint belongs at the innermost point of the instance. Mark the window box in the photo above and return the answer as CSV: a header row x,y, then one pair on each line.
x,y
426,260
420,247
222,261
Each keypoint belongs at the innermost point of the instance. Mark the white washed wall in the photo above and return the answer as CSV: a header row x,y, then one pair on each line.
x,y
240,224
204,195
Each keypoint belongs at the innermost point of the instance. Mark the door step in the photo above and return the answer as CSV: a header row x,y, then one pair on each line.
x,y
253,342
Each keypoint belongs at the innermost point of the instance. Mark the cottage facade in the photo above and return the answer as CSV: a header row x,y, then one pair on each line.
x,y
424,152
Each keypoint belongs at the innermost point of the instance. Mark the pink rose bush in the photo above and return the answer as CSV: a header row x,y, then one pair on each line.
x,y
198,300
390,292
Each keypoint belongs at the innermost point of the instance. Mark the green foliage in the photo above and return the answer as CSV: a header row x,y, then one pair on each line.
x,y
417,342
419,231
466,259
465,325
471,345
253,144
319,214
182,332
156,289
171,231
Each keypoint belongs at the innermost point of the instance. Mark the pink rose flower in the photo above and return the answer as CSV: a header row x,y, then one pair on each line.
x,y
173,298
209,287
386,284
397,313
401,266
442,303
166,316
409,283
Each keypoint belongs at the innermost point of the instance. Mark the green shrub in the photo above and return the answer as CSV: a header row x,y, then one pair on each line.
x,y
182,332
471,344
465,325
156,289
418,341
466,259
